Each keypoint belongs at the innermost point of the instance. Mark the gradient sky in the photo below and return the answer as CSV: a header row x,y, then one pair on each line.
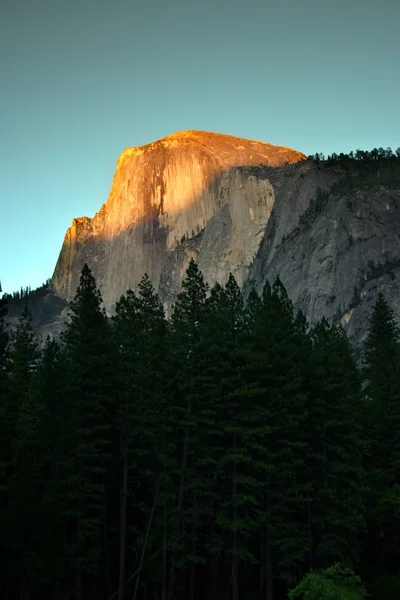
x,y
83,79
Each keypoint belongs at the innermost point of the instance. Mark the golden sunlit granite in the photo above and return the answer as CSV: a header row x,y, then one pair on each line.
x,y
240,206
166,194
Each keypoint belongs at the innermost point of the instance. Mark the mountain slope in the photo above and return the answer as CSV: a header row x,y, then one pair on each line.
x,y
331,231
165,193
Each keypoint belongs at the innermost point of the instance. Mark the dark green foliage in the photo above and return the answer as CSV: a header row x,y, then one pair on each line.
x,y
226,452
141,335
5,439
22,363
35,517
276,377
381,368
187,325
377,162
334,583
382,421
23,355
336,449
228,428
4,374
384,587
87,416
3,336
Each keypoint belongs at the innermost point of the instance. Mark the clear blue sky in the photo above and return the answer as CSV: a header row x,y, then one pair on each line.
x,y
83,79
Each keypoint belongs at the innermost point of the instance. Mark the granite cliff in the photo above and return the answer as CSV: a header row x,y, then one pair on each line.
x,y
164,194
244,207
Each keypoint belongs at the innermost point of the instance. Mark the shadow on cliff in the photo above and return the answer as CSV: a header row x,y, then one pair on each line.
x,y
149,235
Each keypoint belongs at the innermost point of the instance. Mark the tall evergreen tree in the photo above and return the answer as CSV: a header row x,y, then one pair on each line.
x,y
88,417
23,359
38,527
140,331
187,330
46,404
4,441
381,349
237,487
335,458
382,410
281,376
3,340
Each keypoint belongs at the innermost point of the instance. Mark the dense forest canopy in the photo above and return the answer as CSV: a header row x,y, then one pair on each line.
x,y
377,154
228,452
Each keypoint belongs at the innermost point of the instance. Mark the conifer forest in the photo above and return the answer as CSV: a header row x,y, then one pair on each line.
x,y
228,451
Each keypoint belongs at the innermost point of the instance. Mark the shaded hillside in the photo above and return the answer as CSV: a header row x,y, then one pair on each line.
x,y
45,306
336,250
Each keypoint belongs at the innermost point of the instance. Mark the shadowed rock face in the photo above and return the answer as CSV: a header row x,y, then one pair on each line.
x,y
234,206
188,186
335,266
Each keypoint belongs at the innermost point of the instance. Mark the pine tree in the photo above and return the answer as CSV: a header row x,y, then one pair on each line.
x,y
88,417
4,440
187,329
140,331
23,359
35,505
237,489
282,377
46,404
382,410
381,348
336,450
3,342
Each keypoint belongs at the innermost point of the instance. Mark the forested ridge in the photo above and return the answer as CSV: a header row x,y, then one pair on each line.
x,y
228,452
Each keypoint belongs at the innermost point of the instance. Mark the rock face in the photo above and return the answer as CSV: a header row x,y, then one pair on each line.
x,y
334,265
188,186
235,205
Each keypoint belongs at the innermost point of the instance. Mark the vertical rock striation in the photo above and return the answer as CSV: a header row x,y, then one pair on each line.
x,y
239,206
190,186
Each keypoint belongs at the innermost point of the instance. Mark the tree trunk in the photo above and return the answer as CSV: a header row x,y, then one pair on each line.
x,y
215,576
212,567
78,584
146,539
310,539
235,579
263,560
24,589
165,556
106,551
192,578
122,525
181,496
270,582
66,593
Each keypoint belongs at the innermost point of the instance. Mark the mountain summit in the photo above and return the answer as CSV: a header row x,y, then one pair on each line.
x,y
167,193
329,229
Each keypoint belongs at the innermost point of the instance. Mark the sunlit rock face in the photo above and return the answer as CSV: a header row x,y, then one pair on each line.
x,y
235,206
191,194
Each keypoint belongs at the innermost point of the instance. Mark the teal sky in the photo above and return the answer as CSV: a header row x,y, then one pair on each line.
x,y
83,79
